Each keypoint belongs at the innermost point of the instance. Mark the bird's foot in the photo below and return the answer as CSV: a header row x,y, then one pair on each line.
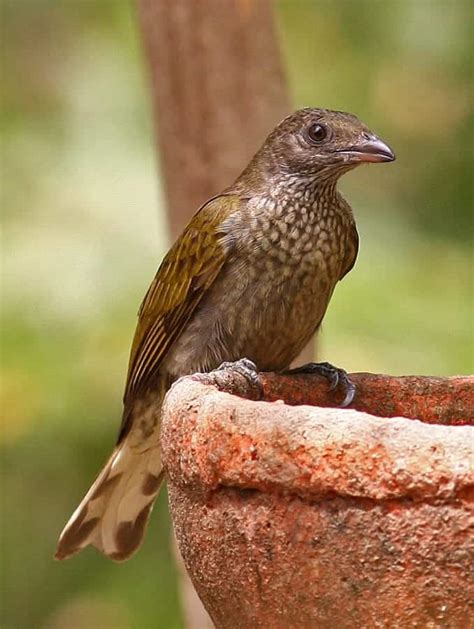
x,y
223,377
335,376
245,368
248,370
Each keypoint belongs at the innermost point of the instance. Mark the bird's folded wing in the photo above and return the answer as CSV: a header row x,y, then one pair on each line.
x,y
186,273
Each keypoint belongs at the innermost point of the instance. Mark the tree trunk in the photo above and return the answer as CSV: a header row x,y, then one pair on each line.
x,y
218,89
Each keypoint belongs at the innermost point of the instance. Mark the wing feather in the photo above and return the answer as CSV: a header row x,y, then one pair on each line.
x,y
186,273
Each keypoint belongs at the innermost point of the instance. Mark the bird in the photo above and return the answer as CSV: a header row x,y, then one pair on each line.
x,y
248,282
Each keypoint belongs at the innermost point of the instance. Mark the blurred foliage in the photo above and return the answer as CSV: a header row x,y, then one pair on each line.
x,y
82,237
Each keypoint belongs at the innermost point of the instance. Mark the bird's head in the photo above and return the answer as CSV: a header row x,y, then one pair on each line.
x,y
310,141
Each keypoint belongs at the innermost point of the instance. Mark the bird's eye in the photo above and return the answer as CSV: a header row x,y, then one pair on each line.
x,y
317,133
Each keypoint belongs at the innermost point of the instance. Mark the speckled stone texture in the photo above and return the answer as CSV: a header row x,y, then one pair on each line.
x,y
310,517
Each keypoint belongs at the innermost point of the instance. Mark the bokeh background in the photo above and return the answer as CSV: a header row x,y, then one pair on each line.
x,y
84,230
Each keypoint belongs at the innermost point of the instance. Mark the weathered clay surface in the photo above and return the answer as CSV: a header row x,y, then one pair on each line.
x,y
302,517
430,399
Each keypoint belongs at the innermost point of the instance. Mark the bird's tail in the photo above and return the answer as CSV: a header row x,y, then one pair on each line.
x,y
113,515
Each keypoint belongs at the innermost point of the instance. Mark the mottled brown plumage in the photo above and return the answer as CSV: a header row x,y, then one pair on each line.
x,y
251,276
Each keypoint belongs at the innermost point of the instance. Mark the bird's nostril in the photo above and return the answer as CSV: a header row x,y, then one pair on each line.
x,y
367,136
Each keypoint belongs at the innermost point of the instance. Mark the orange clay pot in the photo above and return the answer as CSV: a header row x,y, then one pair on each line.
x,y
292,516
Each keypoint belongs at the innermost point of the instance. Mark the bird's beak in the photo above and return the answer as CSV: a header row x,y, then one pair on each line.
x,y
369,149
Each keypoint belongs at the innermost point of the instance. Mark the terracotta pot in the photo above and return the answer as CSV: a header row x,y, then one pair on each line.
x,y
309,517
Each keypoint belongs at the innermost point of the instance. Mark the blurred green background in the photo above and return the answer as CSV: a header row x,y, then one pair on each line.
x,y
84,231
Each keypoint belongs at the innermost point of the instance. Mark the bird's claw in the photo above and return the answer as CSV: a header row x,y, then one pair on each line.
x,y
245,368
335,376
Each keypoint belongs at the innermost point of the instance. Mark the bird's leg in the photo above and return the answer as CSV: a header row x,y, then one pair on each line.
x,y
223,378
335,376
245,368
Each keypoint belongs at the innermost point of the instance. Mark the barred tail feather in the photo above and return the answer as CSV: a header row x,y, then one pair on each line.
x,y
113,515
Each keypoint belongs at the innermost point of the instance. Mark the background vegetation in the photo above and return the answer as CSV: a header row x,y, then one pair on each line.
x,y
84,231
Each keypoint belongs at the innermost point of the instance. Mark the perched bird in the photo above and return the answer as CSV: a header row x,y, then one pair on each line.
x,y
250,277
